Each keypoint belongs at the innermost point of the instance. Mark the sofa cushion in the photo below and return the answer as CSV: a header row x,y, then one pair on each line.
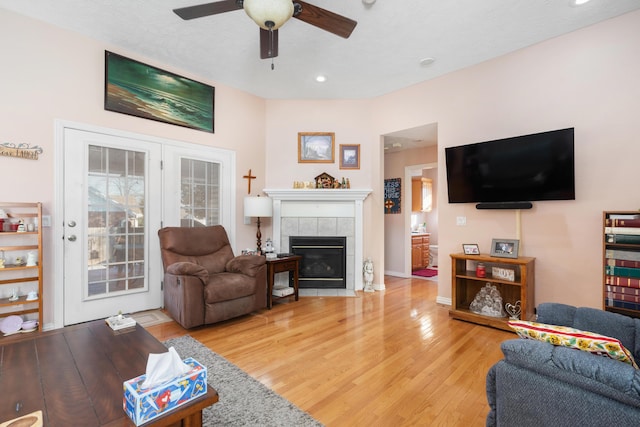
x,y
625,328
574,338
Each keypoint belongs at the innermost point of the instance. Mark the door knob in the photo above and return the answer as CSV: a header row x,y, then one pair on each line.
x,y
72,238
72,224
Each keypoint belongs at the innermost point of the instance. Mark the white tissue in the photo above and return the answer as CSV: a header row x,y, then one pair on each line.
x,y
163,367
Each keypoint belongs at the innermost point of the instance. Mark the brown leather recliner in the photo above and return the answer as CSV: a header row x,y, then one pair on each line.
x,y
203,282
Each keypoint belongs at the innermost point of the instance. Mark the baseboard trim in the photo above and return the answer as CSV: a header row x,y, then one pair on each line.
x,y
443,300
396,274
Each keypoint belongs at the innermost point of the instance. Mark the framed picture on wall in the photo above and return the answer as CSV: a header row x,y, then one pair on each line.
x,y
137,89
316,147
349,156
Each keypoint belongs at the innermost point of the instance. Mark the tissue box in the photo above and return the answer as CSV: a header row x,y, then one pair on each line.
x,y
143,405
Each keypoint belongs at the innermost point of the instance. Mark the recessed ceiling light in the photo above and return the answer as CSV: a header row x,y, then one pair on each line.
x,y
321,79
425,62
368,2
578,2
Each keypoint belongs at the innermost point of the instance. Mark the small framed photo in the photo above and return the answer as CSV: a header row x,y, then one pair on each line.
x,y
316,147
504,248
470,249
349,156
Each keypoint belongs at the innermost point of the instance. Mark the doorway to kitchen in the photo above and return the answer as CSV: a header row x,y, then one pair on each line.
x,y
406,154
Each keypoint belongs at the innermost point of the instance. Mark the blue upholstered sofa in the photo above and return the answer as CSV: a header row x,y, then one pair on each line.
x,y
539,384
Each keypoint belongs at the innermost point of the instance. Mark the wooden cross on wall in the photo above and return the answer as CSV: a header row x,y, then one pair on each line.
x,y
249,177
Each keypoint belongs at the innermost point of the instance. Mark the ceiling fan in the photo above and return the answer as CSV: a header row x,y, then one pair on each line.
x,y
271,15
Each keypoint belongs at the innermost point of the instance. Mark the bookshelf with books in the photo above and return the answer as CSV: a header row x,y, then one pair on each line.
x,y
621,262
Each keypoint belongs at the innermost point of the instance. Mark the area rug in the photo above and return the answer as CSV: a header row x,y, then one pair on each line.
x,y
425,272
150,318
244,401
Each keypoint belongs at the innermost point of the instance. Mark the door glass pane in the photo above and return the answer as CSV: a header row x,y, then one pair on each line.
x,y
116,234
200,193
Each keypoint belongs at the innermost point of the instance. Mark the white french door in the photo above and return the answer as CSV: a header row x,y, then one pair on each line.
x,y
118,189
112,211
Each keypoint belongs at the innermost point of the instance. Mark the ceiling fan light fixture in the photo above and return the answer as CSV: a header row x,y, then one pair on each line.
x,y
269,14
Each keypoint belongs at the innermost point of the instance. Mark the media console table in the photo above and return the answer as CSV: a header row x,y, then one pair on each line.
x,y
74,375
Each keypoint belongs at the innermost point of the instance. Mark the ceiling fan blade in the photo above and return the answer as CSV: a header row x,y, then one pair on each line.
x,y
326,20
207,9
268,44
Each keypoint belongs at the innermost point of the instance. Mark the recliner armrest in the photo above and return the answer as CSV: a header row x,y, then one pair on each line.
x,y
246,264
189,269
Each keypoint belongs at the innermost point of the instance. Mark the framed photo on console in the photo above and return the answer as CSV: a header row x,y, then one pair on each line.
x,y
470,249
504,248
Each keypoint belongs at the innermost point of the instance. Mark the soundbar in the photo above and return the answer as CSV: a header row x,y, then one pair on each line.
x,y
504,205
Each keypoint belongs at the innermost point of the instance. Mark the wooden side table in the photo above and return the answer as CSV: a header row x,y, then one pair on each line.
x,y
279,265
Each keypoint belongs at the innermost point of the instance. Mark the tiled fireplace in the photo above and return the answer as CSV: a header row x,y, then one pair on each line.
x,y
322,212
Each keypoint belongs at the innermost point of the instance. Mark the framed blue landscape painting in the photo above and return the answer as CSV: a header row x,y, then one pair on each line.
x,y
141,90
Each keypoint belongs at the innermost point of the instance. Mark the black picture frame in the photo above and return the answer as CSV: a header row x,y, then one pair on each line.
x,y
137,89
505,248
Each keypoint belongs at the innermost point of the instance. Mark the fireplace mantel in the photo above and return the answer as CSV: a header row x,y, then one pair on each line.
x,y
317,194
303,203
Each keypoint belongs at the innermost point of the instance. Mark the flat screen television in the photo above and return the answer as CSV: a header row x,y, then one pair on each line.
x,y
525,168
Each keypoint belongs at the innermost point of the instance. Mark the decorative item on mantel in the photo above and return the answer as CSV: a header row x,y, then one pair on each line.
x,y
323,181
488,302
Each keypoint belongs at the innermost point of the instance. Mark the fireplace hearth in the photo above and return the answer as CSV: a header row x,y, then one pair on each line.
x,y
323,263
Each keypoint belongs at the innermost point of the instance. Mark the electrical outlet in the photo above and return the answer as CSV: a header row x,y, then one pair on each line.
x,y
46,220
461,220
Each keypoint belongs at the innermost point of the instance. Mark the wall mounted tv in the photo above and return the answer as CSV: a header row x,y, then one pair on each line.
x,y
519,169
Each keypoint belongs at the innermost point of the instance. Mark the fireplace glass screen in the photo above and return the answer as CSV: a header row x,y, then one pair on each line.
x,y
323,262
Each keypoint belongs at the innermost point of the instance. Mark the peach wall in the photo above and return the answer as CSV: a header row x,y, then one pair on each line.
x,y
587,80
48,73
350,120
431,218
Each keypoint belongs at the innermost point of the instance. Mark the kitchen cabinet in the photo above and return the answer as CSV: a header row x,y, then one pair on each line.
x,y
421,194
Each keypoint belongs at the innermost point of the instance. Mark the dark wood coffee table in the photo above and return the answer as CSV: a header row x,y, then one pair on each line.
x,y
75,375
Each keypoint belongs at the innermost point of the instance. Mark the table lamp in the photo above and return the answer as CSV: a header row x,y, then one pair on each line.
x,y
258,207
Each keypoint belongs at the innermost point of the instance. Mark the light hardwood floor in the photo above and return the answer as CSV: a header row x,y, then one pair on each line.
x,y
388,358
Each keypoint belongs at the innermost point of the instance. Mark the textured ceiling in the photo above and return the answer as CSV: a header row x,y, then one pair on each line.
x,y
382,54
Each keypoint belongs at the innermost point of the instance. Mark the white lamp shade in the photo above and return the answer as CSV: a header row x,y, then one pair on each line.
x,y
261,207
262,11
